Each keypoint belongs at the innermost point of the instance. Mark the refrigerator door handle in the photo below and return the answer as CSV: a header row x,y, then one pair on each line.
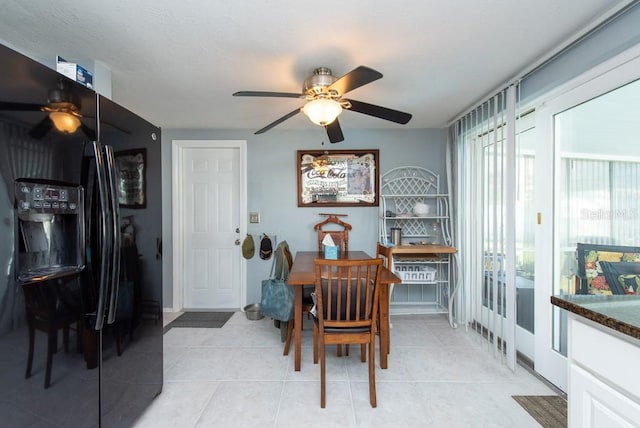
x,y
105,234
114,207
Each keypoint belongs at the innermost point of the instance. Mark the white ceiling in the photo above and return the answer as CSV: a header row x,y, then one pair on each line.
x,y
176,63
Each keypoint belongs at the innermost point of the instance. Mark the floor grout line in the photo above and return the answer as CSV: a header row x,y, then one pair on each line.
x,y
400,390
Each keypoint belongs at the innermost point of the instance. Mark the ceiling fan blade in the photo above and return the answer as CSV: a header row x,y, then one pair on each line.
x,y
380,112
41,128
267,94
277,122
20,106
334,132
357,77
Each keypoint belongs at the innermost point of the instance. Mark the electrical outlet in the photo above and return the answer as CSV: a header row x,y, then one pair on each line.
x,y
254,217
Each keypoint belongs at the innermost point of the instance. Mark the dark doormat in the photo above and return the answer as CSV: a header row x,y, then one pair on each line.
x,y
550,411
200,320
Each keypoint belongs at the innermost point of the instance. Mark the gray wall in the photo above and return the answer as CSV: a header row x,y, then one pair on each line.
x,y
272,186
607,41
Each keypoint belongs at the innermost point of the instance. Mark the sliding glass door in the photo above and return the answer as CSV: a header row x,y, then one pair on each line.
x,y
525,226
590,202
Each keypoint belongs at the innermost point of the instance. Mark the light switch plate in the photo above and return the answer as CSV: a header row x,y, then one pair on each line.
x,y
254,217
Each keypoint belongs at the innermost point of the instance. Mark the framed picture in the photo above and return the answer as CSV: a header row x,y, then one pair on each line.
x,y
337,178
132,171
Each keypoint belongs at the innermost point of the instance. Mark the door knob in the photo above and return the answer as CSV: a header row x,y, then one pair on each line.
x,y
237,230
237,242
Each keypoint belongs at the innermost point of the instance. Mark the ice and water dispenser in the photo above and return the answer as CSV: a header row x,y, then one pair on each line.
x,y
50,229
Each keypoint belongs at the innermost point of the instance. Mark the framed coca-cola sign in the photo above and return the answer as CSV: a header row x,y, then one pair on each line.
x,y
337,178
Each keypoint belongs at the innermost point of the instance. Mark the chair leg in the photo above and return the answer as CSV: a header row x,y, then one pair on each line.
x,y
287,343
52,344
65,338
116,327
315,344
55,342
32,333
339,350
363,352
284,327
322,373
372,372
78,337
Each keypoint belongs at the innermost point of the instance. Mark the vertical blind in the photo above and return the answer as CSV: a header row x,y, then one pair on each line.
x,y
485,169
600,202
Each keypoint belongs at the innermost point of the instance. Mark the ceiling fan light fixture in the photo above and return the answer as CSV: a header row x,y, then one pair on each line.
x,y
322,111
64,122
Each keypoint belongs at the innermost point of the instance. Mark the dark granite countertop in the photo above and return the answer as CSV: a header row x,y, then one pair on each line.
x,y
620,313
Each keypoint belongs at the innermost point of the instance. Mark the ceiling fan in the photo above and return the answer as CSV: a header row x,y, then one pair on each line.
x,y
63,113
324,94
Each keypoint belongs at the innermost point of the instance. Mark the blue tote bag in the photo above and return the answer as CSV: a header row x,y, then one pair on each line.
x,y
277,296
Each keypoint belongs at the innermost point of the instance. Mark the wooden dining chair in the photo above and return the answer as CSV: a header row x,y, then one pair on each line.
x,y
339,232
338,229
347,293
341,239
384,253
46,311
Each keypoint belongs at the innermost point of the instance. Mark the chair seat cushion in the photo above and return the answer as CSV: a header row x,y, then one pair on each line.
x,y
330,330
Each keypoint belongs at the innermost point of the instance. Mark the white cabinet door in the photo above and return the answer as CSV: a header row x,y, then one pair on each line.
x,y
593,403
604,383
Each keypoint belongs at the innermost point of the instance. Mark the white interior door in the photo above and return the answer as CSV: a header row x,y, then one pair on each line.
x,y
209,206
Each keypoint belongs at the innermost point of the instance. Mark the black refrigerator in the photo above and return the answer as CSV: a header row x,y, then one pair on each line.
x,y
80,253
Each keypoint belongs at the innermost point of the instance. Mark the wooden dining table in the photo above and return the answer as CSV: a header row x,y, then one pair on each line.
x,y
303,273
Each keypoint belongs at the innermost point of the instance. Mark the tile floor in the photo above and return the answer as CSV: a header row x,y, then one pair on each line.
x,y
236,376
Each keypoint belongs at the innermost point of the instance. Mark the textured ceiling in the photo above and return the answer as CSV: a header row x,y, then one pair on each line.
x,y
176,63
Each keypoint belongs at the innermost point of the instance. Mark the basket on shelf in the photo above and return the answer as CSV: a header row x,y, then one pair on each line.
x,y
416,273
